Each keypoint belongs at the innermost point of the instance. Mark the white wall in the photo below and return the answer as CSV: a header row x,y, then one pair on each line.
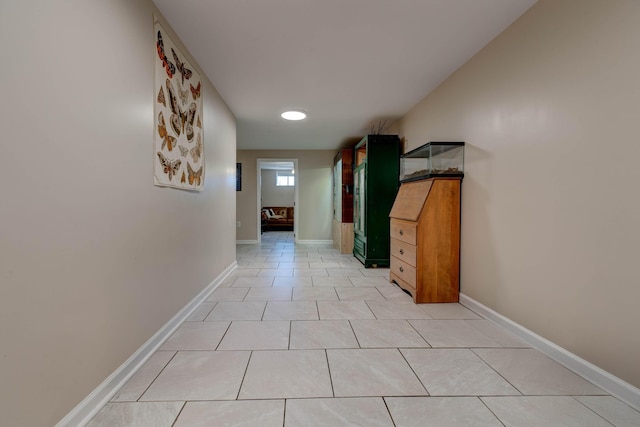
x,y
550,205
271,194
313,176
94,259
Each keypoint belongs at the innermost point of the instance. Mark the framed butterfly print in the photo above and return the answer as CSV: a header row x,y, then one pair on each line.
x,y
179,142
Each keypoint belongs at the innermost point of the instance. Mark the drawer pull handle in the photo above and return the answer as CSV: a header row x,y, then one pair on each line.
x,y
401,269
401,251
401,232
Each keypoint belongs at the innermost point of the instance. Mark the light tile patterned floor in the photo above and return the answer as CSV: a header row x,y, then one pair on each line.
x,y
301,335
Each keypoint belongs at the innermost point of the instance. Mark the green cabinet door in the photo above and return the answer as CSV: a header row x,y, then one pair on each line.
x,y
376,176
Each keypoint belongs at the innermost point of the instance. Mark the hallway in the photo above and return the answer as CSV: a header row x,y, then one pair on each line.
x,y
300,335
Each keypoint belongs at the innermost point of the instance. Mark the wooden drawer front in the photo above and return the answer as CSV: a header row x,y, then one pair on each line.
x,y
403,251
403,230
404,271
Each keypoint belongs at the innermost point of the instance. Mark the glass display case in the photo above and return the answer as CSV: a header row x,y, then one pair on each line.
x,y
434,159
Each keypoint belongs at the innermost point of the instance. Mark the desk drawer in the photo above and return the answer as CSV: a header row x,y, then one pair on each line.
x,y
404,271
404,231
404,251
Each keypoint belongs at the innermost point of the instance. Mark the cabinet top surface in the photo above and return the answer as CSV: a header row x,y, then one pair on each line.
x,y
377,138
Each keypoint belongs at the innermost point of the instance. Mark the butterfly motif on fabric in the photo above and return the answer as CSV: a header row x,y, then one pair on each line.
x,y
183,94
181,121
196,151
199,123
184,71
188,118
167,140
184,178
176,117
194,176
169,67
170,167
183,150
161,99
195,91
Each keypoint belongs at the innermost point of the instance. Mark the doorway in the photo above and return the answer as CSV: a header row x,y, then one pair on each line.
x,y
277,184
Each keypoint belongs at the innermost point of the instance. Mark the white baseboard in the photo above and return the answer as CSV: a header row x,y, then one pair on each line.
x,y
315,242
304,242
603,379
87,409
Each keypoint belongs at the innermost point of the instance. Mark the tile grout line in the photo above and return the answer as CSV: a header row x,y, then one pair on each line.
x,y
354,333
244,375
156,377
487,406
326,356
495,370
590,409
179,413
223,335
413,370
415,329
388,411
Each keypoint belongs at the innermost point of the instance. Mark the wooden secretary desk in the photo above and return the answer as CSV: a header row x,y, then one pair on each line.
x,y
425,224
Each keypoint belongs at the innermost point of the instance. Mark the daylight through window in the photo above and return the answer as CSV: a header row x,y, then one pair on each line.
x,y
285,179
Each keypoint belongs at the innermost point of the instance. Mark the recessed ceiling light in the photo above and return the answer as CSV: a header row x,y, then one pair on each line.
x,y
293,115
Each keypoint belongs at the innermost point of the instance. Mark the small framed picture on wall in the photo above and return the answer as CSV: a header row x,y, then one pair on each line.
x,y
238,176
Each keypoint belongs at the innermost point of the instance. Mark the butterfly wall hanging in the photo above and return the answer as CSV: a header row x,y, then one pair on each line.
x,y
167,140
160,98
196,151
185,73
194,176
169,167
195,91
178,111
169,67
181,120
183,94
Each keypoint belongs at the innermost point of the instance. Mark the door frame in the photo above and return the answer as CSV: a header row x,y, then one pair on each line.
x,y
296,186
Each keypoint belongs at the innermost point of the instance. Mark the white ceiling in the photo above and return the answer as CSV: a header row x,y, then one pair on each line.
x,y
347,63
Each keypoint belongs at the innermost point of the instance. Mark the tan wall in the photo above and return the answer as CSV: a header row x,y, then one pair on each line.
x,y
550,203
94,259
272,195
313,176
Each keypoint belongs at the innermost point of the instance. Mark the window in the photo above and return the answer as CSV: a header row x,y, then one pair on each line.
x,y
285,179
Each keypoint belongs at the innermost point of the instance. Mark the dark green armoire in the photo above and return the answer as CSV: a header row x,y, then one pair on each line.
x,y
375,179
